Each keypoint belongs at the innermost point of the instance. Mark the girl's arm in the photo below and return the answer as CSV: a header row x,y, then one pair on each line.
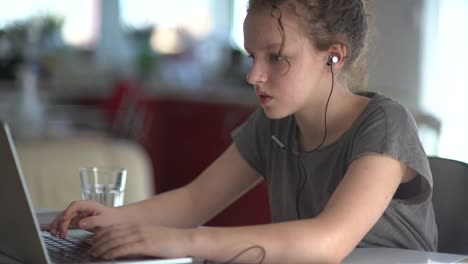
x,y
226,179
355,206
220,184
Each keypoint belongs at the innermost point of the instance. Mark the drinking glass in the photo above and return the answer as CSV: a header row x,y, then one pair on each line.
x,y
103,185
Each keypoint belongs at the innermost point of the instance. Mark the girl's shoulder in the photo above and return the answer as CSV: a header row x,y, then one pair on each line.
x,y
385,109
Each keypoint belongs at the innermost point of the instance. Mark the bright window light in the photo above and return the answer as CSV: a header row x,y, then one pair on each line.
x,y
80,23
193,16
237,32
445,85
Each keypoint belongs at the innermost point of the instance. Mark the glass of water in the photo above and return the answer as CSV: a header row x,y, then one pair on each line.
x,y
103,185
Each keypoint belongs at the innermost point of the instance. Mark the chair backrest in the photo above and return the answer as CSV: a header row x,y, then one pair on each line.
x,y
450,200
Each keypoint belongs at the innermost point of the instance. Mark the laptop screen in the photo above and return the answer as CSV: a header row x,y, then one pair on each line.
x,y
19,230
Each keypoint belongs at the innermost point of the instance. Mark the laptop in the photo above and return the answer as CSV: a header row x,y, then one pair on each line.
x,y
21,240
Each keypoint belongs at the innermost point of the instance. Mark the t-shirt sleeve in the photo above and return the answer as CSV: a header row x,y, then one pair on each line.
x,y
391,130
250,139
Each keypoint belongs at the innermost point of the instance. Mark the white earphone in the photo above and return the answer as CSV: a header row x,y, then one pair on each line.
x,y
332,60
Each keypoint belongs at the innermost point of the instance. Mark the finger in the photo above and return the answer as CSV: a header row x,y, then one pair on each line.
x,y
62,226
74,222
74,210
82,208
79,215
66,217
113,238
53,225
107,232
100,234
64,223
90,223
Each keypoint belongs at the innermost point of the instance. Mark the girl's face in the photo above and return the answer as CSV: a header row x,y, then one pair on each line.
x,y
284,84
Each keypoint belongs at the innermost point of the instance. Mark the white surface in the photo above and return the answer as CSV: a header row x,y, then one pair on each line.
x,y
364,256
394,255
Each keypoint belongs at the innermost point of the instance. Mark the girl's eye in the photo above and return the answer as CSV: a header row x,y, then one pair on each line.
x,y
272,58
277,57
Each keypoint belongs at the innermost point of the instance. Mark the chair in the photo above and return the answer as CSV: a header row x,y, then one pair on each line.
x,y
450,200
127,111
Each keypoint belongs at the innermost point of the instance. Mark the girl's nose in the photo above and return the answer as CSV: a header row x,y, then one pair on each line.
x,y
257,74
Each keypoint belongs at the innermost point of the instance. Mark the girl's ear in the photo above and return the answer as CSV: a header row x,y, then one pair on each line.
x,y
338,51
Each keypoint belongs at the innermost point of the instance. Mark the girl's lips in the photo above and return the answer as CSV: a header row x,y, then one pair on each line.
x,y
264,99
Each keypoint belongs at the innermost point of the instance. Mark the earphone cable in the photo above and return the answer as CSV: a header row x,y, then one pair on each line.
x,y
301,185
326,108
245,250
231,261
302,168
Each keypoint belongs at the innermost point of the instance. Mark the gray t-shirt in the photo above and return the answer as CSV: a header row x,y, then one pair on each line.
x,y
384,127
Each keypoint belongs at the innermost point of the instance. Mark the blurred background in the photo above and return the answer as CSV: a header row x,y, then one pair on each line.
x,y
169,76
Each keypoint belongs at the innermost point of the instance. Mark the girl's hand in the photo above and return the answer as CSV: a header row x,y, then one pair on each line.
x,y
86,214
140,240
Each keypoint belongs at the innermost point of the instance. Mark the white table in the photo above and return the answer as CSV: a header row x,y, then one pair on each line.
x,y
377,255
395,255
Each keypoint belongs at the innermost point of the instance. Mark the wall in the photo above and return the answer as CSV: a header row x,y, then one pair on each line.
x,y
395,64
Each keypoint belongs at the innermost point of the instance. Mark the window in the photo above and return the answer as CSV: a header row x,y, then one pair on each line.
x,y
80,20
237,32
193,16
445,85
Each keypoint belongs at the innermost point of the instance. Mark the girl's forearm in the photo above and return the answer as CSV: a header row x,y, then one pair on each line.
x,y
302,241
175,208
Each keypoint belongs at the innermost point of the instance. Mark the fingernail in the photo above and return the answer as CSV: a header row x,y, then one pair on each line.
x,y
83,225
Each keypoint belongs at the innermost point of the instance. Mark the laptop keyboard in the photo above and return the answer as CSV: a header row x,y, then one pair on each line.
x,y
68,250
